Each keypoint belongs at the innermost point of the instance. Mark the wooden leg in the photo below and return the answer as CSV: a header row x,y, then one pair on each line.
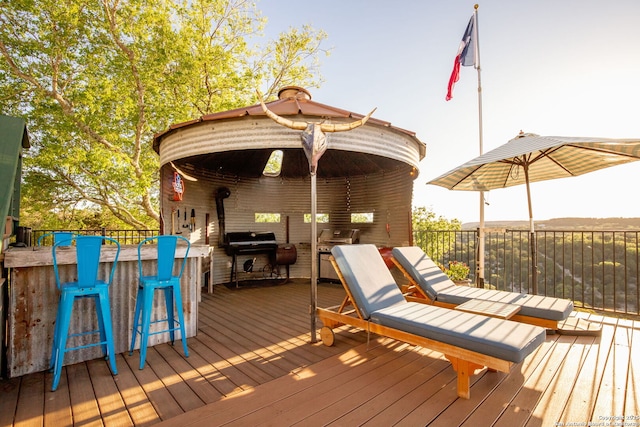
x,y
464,369
464,386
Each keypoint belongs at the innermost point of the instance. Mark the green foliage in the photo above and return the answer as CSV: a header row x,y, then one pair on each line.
x,y
457,270
96,80
425,220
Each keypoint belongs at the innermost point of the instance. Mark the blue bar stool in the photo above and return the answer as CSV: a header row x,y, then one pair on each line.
x,y
165,280
87,285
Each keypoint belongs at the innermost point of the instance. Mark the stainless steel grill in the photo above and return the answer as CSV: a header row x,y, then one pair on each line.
x,y
328,239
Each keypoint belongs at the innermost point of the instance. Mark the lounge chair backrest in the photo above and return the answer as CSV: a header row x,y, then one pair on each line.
x,y
423,270
371,284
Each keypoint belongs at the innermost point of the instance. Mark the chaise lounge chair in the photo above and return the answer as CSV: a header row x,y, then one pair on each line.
x,y
469,341
428,283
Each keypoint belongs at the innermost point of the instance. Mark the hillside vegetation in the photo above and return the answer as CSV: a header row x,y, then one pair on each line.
x,y
564,224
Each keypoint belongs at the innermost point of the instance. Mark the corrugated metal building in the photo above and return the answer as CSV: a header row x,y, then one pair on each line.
x,y
366,174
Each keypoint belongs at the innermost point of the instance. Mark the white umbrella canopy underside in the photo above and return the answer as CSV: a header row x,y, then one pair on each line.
x,y
546,157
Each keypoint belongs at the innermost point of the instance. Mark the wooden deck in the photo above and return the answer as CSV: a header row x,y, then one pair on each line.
x,y
252,364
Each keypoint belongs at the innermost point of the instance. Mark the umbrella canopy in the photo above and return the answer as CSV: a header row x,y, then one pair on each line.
x,y
543,157
530,158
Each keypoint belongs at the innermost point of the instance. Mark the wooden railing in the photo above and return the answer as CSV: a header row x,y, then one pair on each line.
x,y
599,270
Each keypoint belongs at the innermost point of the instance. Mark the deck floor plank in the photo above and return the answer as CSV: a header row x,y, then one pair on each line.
x,y
582,400
632,401
252,363
9,392
442,393
226,377
110,402
364,403
30,402
430,377
272,327
163,402
610,401
237,407
267,345
84,403
184,395
494,405
138,404
330,399
547,398
184,367
57,404
244,358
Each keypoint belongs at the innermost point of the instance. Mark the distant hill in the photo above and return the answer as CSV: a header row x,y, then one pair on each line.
x,y
562,224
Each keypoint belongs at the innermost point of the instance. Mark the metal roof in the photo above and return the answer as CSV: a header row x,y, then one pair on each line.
x,y
293,101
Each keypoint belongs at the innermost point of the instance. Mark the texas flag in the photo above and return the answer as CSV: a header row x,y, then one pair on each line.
x,y
466,56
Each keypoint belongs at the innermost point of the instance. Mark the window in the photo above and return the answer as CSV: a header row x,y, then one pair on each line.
x,y
320,217
274,164
362,217
267,217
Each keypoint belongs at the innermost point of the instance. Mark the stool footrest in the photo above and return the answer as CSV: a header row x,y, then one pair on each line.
x,y
85,346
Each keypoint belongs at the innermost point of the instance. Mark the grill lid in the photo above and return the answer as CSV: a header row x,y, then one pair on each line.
x,y
350,236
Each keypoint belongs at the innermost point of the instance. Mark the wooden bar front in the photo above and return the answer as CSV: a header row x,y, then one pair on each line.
x,y
33,301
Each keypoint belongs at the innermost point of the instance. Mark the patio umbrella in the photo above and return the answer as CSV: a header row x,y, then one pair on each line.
x,y
529,158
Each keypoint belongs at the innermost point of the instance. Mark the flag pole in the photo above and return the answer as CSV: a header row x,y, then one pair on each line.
x,y
480,255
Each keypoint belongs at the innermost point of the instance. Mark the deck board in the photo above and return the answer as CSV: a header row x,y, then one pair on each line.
x,y
110,402
632,401
582,399
252,363
139,408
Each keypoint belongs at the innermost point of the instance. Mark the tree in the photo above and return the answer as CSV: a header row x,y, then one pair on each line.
x,y
425,220
95,80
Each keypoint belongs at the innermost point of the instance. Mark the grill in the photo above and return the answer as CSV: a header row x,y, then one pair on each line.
x,y
327,240
248,243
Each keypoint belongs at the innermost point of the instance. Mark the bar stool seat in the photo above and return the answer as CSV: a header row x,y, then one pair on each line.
x,y
87,285
169,283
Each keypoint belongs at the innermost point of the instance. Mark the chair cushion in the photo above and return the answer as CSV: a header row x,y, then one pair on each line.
x,y
370,281
423,270
530,305
438,287
499,338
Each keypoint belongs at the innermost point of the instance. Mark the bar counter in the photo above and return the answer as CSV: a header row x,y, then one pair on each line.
x,y
33,301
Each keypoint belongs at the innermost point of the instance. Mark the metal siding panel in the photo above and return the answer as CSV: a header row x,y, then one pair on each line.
x,y
388,195
243,134
33,303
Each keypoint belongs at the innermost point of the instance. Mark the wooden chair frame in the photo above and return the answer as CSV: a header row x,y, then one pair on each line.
x,y
465,362
413,292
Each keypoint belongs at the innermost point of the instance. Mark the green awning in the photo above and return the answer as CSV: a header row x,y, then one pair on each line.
x,y
13,138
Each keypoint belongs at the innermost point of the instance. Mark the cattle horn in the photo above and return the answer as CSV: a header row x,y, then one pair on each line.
x,y
325,127
184,175
339,127
280,120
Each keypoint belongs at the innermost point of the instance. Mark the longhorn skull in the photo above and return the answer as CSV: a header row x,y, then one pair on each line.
x,y
314,140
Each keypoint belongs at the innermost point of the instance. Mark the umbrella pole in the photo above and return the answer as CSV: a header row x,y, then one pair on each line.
x,y
314,259
532,237
480,253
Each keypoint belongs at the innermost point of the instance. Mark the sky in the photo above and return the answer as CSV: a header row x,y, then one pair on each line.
x,y
550,67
